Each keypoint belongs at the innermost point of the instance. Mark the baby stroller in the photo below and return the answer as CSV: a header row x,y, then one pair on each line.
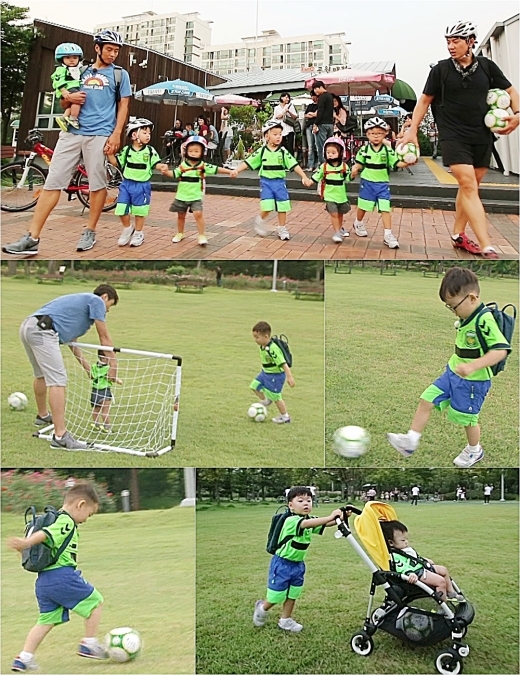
x,y
414,613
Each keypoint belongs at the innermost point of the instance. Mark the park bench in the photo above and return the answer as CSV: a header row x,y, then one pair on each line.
x,y
8,151
189,286
310,293
119,283
57,278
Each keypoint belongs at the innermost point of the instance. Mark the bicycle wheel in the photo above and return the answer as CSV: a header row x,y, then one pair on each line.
x,y
18,196
114,178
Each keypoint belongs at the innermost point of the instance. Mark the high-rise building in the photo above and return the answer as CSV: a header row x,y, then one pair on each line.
x,y
272,51
181,36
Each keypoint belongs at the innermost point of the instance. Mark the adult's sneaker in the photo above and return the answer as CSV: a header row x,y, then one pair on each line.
x,y
283,233
92,651
86,241
490,254
43,421
26,245
391,241
137,239
259,615
290,625
360,229
20,666
68,442
467,459
402,443
126,235
466,244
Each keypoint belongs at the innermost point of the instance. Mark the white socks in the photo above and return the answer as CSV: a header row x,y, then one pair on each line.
x,y
358,222
387,232
474,448
26,656
414,436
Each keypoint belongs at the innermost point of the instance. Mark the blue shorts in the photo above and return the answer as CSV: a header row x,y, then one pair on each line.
x,y
271,381
62,589
285,579
274,195
99,396
374,194
134,197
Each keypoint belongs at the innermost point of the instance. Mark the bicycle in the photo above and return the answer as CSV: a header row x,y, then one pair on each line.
x,y
22,181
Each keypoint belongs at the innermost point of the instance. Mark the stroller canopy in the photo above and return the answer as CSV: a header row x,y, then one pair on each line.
x,y
369,531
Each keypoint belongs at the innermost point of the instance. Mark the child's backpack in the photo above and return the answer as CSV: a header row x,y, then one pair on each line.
x,y
202,175
38,557
277,523
282,341
323,181
506,325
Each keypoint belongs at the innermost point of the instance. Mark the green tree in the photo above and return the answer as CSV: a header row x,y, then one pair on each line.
x,y
18,36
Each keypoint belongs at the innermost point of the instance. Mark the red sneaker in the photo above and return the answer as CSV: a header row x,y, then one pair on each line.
x,y
466,244
490,255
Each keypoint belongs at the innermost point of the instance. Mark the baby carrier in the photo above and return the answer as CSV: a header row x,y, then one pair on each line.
x,y
413,613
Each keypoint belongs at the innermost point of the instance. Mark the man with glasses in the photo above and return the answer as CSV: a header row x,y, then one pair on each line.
x,y
464,385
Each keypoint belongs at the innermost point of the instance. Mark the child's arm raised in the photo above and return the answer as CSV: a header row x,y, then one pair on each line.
x,y
327,521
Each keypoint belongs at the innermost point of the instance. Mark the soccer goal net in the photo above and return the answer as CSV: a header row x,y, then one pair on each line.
x,y
136,413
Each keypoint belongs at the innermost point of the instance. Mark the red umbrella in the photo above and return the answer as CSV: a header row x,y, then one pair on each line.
x,y
349,81
234,99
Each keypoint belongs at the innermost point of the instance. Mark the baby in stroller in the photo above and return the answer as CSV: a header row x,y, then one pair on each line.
x,y
408,561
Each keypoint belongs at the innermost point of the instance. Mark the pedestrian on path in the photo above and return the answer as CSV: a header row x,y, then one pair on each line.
x,y
324,122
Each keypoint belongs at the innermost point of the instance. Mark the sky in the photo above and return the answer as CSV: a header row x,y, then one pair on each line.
x,y
411,33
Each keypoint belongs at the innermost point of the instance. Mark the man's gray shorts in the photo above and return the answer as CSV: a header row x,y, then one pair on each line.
x,y
69,150
43,350
342,209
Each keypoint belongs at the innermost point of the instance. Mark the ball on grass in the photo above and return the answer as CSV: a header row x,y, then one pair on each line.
x,y
17,401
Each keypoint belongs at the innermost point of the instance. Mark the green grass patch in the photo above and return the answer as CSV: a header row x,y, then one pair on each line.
x,y
477,543
212,332
143,563
387,339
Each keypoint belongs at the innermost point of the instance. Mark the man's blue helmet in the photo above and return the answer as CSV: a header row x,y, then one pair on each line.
x,y
67,49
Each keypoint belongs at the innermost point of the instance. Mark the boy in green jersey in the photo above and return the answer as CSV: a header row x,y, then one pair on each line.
x,y
333,176
466,382
273,161
268,384
191,173
60,587
287,569
136,162
66,80
373,162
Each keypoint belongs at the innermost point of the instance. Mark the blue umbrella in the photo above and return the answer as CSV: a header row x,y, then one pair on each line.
x,y
175,92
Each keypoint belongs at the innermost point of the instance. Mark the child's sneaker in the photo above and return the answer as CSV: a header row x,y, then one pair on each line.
x,y
402,443
92,651
391,241
337,238
283,233
259,615
360,229
106,428
281,419
260,227
62,123
266,402
290,625
202,240
126,235
344,232
466,459
456,597
178,237
137,239
20,666
73,121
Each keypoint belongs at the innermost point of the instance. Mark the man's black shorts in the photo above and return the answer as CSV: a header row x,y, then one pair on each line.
x,y
458,152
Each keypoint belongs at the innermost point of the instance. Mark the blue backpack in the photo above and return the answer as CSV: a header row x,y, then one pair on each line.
x,y
38,557
506,325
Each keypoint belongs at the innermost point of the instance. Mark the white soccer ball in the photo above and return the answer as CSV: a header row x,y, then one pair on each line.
x,y
257,412
498,98
123,644
494,119
408,152
351,441
17,401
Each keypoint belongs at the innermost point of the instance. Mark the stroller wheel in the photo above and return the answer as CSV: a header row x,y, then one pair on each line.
x,y
362,644
448,662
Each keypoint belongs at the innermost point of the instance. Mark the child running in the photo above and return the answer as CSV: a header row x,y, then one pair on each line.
x,y
273,161
60,587
136,162
287,569
463,387
66,79
373,162
408,561
333,176
191,173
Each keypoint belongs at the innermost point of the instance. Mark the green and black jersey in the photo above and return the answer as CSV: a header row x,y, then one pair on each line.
x,y
376,163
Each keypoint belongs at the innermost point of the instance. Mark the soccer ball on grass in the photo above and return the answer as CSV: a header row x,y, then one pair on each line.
x,y
17,401
494,119
408,153
123,644
351,441
257,412
498,98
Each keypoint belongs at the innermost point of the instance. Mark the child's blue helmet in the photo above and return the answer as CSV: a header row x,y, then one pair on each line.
x,y
67,49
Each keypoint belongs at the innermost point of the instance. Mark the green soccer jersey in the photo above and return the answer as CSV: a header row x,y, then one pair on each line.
x,y
191,180
468,347
405,564
56,534
335,179
296,548
376,163
99,375
271,163
62,77
138,165
272,358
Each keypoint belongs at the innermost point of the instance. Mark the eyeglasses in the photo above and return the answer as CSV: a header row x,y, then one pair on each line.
x,y
453,309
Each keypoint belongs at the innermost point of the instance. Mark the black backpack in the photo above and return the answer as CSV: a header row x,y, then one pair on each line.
x,y
445,69
38,557
506,325
282,341
277,523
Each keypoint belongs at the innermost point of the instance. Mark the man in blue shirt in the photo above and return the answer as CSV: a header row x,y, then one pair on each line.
x,y
102,117
62,320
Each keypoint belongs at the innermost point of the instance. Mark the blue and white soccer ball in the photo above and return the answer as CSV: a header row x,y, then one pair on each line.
x,y
351,441
17,401
257,412
498,98
494,119
123,644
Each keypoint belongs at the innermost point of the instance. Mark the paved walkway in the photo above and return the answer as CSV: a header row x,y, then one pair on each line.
x,y
422,234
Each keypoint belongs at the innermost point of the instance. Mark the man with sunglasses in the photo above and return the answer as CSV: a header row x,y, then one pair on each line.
x,y
464,385
457,89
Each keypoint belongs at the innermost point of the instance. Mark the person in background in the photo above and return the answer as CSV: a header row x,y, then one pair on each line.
x,y
309,116
324,122
285,113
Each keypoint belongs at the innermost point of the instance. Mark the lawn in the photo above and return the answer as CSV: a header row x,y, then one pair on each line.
x,y
387,339
144,565
212,332
477,543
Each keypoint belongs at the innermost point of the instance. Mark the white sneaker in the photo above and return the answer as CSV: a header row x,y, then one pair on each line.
x,y
259,615
266,402
402,443
290,625
283,233
360,230
126,235
344,232
281,419
337,238
260,227
137,239
391,241
466,459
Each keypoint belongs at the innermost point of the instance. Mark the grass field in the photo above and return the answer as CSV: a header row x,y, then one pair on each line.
x,y
144,565
212,332
387,338
477,543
